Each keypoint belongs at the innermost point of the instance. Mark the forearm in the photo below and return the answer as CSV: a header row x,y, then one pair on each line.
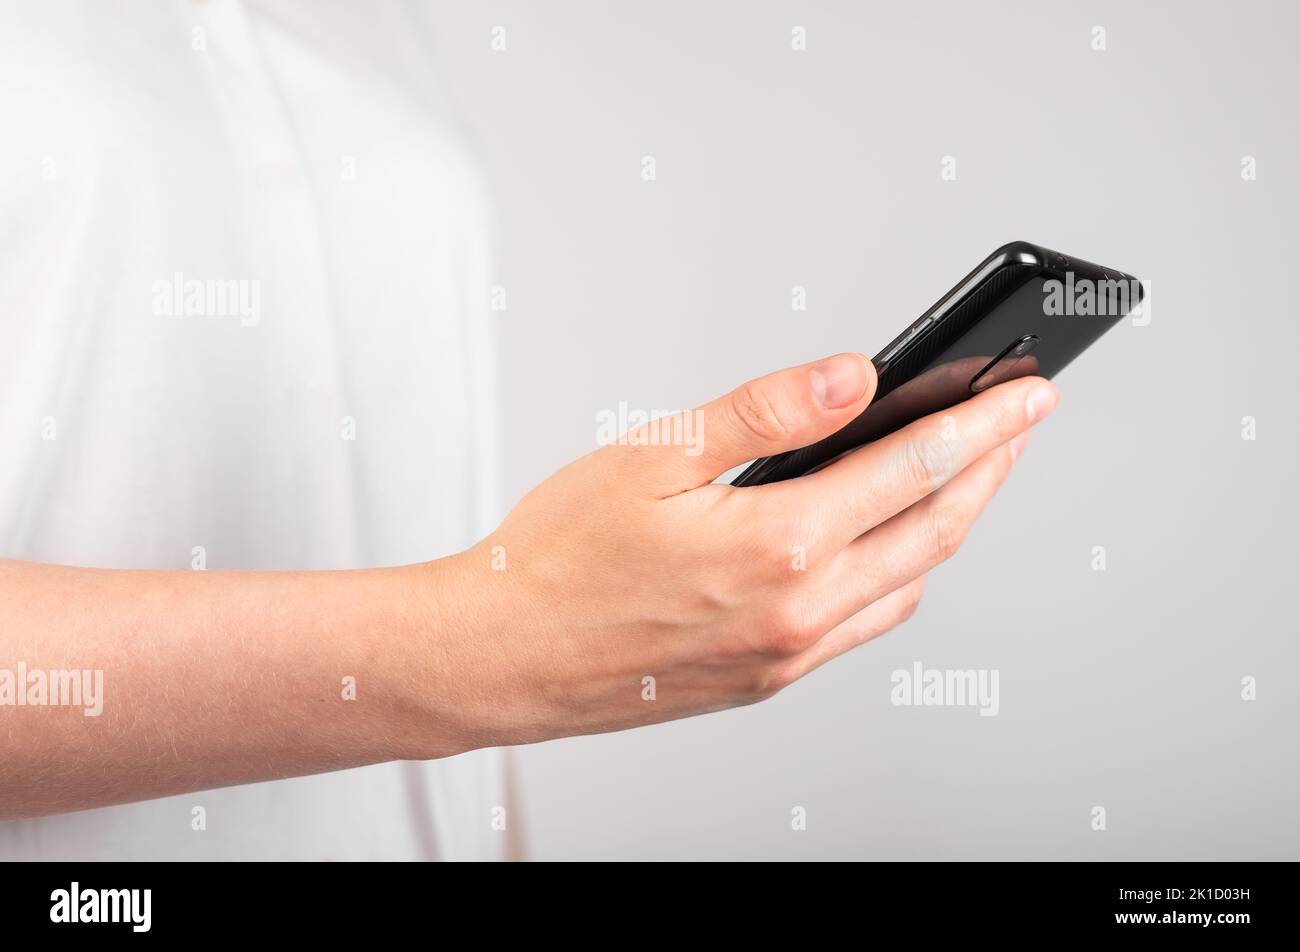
x,y
636,590
208,679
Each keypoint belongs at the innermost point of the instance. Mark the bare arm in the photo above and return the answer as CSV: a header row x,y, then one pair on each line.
x,y
192,680
626,589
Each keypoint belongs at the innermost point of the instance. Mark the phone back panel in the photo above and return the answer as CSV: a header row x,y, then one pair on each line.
x,y
1024,311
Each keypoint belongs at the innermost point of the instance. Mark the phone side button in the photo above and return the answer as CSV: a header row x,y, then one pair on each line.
x,y
911,335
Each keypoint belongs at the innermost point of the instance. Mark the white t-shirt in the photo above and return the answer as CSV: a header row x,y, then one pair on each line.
x,y
244,322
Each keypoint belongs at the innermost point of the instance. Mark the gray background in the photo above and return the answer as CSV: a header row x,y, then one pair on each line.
x,y
821,168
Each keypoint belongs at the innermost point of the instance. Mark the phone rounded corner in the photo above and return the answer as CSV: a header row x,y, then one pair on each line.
x,y
1021,252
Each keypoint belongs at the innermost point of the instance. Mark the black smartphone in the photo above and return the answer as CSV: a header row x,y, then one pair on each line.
x,y
1024,311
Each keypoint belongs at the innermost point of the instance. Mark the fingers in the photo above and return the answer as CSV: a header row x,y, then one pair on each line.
x,y
782,411
878,580
874,569
913,542
883,478
880,616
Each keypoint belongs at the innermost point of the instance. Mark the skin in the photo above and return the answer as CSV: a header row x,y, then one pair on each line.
x,y
629,563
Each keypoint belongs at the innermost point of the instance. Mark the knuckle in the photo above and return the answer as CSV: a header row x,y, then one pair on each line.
x,y
764,564
948,527
775,555
791,630
766,682
1006,420
929,461
787,551
757,414
911,601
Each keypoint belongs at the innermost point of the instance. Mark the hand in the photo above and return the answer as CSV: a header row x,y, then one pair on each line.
x,y
631,564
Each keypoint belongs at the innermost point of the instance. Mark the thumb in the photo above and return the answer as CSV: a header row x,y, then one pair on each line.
x,y
782,411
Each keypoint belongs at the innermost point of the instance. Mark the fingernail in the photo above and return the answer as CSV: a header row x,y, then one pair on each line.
x,y
1018,446
1041,402
839,381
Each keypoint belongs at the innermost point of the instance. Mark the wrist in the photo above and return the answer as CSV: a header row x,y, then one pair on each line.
x,y
441,664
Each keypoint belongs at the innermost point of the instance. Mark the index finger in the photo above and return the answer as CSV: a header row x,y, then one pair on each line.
x,y
880,480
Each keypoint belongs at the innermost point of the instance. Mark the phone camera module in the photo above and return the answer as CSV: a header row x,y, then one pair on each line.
x,y
1007,365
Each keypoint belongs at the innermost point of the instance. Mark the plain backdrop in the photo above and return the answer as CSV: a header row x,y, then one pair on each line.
x,y
820,168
